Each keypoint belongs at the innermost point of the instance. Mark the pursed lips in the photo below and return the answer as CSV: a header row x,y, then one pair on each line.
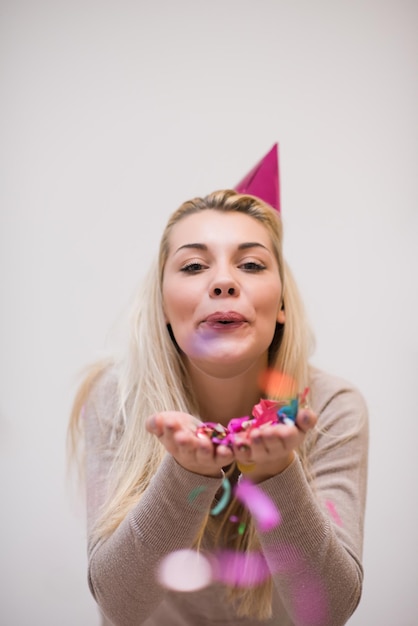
x,y
225,319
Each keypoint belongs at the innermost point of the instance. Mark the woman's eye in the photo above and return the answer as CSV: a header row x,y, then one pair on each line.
x,y
192,267
252,266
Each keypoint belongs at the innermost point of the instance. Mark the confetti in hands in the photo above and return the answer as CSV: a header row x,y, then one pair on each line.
x,y
266,412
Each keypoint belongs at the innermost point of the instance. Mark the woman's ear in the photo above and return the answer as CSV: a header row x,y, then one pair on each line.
x,y
281,316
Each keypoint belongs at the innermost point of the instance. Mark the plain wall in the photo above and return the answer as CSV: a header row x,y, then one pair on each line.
x,y
112,114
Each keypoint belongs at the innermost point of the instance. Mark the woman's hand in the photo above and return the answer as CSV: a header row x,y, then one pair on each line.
x,y
261,453
177,433
268,450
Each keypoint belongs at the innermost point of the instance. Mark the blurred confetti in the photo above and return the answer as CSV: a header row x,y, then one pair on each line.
x,y
333,512
185,570
223,501
195,493
261,507
277,385
240,569
226,496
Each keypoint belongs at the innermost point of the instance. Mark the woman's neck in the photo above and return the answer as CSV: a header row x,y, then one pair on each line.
x,y
222,398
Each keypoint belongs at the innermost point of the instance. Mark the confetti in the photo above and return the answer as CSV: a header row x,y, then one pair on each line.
x,y
217,433
200,345
240,569
261,507
185,570
246,468
219,506
277,384
266,412
195,493
288,413
333,512
226,485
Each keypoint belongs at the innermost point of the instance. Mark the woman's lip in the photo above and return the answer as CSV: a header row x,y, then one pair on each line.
x,y
227,317
224,326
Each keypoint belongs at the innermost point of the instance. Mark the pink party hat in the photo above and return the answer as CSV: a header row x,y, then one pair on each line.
x,y
263,180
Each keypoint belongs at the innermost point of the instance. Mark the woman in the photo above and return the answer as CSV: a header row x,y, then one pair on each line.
x,y
218,311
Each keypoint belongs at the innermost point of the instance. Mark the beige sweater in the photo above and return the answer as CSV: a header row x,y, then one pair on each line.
x,y
324,527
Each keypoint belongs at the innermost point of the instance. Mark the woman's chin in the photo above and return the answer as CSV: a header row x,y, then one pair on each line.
x,y
225,364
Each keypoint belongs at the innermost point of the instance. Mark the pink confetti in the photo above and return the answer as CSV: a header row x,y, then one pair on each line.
x,y
259,504
185,570
265,412
333,512
240,569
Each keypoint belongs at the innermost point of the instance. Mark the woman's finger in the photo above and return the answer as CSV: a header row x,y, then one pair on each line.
x,y
306,419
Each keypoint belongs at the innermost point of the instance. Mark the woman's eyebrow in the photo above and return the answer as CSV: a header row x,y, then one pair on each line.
x,y
196,246
251,244
203,246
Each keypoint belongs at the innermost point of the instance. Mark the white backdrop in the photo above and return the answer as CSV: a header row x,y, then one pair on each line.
x,y
112,114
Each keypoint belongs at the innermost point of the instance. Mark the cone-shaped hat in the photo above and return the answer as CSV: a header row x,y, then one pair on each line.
x,y
263,180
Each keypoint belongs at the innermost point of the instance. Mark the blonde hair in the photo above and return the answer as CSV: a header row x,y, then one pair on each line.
x,y
152,378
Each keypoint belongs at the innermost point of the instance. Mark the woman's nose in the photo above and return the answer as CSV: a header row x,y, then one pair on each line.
x,y
218,291
224,288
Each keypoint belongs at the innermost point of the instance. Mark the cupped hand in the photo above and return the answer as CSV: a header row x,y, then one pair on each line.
x,y
177,433
266,451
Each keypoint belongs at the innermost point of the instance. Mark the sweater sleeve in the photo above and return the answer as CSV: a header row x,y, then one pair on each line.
x,y
121,568
315,552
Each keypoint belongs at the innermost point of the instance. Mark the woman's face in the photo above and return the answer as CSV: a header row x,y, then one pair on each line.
x,y
222,292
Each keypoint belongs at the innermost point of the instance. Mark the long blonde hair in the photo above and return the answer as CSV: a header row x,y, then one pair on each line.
x,y
152,378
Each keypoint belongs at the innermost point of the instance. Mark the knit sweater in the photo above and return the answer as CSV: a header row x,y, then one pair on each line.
x,y
314,554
